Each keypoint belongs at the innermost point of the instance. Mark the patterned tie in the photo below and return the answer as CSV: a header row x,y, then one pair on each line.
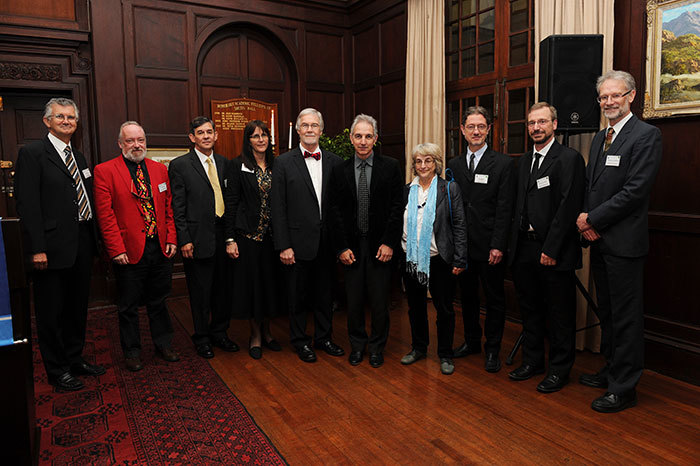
x,y
315,155
214,180
83,204
363,200
608,140
471,164
147,210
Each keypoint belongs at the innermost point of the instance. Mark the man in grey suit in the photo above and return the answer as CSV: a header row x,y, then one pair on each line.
x,y
301,232
197,180
622,166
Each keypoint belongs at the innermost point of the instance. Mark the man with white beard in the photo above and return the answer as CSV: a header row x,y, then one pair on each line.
x,y
135,215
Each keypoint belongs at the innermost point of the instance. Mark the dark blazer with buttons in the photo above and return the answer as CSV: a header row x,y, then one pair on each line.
x,y
385,204
194,208
555,207
450,230
617,197
488,207
47,202
296,222
242,198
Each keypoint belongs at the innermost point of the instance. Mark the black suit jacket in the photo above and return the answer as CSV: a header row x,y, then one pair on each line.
x,y
617,197
554,208
488,206
385,205
450,230
194,208
47,202
296,222
242,197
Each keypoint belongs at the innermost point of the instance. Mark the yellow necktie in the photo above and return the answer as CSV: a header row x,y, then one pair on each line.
x,y
214,180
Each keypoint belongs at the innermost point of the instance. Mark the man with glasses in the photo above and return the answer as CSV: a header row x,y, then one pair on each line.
x,y
301,232
622,166
54,201
545,250
487,183
198,182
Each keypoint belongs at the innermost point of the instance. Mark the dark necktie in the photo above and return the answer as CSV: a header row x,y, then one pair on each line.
x,y
83,204
608,140
363,200
315,155
525,217
535,168
471,164
147,210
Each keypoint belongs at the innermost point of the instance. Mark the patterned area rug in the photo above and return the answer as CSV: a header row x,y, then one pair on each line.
x,y
167,413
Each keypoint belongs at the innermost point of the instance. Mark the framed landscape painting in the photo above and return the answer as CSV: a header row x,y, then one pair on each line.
x,y
673,58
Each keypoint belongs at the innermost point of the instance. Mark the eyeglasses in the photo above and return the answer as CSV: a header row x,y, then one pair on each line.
x,y
258,137
62,117
604,98
425,161
540,122
481,127
305,126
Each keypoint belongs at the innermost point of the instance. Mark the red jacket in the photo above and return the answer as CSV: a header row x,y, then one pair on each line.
x,y
119,213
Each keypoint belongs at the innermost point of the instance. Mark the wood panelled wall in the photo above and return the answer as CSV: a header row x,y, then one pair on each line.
x,y
672,278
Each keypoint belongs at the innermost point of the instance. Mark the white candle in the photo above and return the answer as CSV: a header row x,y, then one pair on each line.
x,y
290,135
272,124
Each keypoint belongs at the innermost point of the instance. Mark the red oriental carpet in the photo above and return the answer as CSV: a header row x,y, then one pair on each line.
x,y
167,413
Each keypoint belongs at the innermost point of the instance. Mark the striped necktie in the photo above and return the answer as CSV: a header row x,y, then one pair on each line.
x,y
83,203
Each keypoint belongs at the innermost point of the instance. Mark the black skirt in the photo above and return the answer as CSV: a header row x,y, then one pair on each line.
x,y
255,276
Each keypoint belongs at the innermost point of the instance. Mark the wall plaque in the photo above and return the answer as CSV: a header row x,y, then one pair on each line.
x,y
230,118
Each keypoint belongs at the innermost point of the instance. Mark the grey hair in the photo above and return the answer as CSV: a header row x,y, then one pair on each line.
x,y
129,123
617,75
63,102
427,148
367,119
309,111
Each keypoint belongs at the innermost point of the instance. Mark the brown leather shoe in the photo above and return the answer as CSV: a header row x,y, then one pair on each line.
x,y
134,364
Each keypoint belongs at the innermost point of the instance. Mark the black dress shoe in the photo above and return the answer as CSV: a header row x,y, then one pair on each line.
x,y
67,382
167,354
225,344
306,354
524,372
612,403
134,364
376,359
552,383
593,380
255,352
205,351
330,348
84,368
467,349
355,358
493,362
272,345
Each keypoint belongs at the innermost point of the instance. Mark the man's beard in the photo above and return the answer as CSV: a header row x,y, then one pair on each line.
x,y
135,158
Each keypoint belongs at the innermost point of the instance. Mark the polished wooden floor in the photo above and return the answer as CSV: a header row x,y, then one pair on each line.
x,y
332,413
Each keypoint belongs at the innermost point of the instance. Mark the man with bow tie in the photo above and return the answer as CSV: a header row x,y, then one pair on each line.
x,y
301,232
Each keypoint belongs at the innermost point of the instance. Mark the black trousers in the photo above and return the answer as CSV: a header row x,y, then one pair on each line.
x,y
545,296
368,280
146,282
207,285
619,288
60,306
309,289
442,290
491,277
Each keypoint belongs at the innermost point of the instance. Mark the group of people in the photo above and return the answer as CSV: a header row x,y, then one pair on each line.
x,y
307,209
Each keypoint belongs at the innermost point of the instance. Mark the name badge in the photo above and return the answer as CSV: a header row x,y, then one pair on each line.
x,y
246,169
543,182
86,173
225,182
162,187
481,179
612,161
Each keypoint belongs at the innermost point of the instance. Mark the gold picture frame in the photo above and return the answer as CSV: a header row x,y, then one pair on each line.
x,y
165,155
672,58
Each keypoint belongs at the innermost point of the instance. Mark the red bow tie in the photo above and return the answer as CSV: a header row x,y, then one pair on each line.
x,y
316,155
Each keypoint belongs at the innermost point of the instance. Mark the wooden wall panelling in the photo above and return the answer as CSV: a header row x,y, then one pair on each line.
x,y
325,62
45,14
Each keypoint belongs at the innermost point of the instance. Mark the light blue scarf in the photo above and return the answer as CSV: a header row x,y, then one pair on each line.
x,y
418,249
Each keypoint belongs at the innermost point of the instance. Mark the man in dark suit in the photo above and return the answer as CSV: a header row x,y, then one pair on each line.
x,y
622,166
366,194
133,204
486,180
300,228
198,206
54,202
545,250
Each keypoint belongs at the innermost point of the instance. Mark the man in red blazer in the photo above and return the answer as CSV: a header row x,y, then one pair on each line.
x,y
134,212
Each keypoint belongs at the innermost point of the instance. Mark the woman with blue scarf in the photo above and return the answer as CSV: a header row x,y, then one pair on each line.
x,y
435,242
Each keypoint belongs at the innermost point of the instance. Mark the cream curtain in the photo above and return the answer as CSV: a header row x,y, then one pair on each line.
x,y
425,76
579,17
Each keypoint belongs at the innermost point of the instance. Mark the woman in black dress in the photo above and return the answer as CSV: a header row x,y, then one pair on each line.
x,y
249,233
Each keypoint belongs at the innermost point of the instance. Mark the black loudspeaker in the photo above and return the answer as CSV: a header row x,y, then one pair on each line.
x,y
569,68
